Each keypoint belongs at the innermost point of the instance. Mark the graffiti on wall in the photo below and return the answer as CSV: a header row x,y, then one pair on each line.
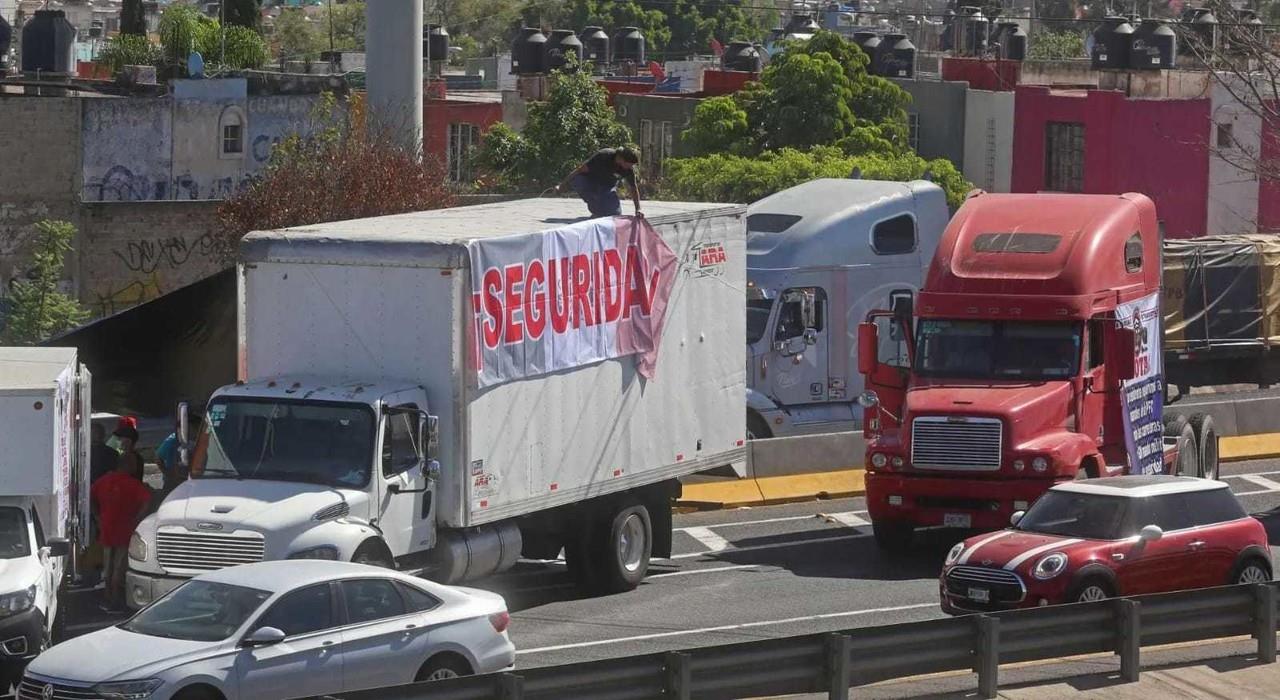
x,y
147,255
111,299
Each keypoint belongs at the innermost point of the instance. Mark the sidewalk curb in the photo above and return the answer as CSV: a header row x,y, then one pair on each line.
x,y
847,483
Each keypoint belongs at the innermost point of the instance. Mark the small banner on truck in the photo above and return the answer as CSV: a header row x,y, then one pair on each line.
x,y
1143,424
569,297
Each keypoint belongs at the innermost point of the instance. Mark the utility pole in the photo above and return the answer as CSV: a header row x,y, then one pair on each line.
x,y
331,36
222,29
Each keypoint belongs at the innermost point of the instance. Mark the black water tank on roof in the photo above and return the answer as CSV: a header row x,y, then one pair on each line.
x,y
975,31
595,44
897,56
6,39
869,42
1247,34
560,44
1111,44
628,45
1154,46
802,24
741,56
949,24
1203,30
1015,43
47,41
527,51
435,42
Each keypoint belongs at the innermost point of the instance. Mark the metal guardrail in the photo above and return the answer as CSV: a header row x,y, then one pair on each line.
x,y
834,662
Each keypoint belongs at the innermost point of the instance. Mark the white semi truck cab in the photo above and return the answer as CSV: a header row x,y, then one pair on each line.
x,y
444,391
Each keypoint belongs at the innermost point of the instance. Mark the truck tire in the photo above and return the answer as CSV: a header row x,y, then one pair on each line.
x,y
892,537
1206,444
1177,426
613,555
757,427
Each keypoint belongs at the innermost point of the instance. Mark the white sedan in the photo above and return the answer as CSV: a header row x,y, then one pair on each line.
x,y
283,629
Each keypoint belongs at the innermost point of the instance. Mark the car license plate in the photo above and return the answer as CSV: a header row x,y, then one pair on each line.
x,y
980,595
957,520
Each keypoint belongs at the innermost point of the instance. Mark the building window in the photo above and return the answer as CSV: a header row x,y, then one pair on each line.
x,y
462,138
231,133
913,131
1226,139
1064,157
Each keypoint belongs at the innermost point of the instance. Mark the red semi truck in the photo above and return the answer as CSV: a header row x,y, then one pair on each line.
x,y
1031,356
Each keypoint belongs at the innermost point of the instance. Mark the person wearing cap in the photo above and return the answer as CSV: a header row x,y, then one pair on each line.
x,y
127,437
596,181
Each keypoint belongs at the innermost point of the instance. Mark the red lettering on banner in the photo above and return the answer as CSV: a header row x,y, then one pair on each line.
x,y
636,291
514,276
535,299
582,291
493,307
612,285
596,295
560,296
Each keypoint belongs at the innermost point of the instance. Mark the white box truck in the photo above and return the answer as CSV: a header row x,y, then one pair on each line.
x,y
44,494
442,391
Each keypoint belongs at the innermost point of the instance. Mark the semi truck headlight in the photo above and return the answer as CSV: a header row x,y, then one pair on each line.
x,y
18,601
879,460
1039,464
955,553
1019,465
128,690
897,462
1050,566
327,552
137,548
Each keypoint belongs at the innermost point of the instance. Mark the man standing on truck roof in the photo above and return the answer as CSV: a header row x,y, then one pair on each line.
x,y
596,180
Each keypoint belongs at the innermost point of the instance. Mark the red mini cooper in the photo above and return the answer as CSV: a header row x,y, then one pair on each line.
x,y
1097,538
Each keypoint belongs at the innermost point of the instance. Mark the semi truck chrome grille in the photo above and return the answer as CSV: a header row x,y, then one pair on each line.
x,y
941,442
206,551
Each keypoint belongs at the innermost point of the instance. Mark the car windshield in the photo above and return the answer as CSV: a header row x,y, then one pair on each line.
x,y
15,543
198,611
757,319
309,442
997,349
1085,515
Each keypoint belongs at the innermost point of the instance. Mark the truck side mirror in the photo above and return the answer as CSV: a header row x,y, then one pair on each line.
x,y
184,418
1122,361
868,347
429,434
58,547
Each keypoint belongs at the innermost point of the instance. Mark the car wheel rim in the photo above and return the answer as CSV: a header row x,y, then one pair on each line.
x,y
1092,594
1253,574
631,542
442,674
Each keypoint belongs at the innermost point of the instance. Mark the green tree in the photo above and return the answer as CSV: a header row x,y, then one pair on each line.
x,y
559,134
242,13
128,50
38,310
719,126
133,18
184,29
1057,46
245,49
296,37
348,20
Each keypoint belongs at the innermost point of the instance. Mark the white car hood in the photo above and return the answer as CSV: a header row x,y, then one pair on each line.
x,y
114,654
253,504
19,574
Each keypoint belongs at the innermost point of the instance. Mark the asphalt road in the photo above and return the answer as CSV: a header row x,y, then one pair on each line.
x,y
747,574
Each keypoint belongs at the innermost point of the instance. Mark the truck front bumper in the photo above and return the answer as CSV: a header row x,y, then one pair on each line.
x,y
143,588
923,501
20,637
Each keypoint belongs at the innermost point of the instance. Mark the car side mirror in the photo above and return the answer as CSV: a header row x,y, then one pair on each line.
x,y
1016,518
1150,533
868,399
264,637
184,433
58,547
810,336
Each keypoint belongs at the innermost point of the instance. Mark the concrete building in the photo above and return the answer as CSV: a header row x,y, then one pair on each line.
x,y
454,123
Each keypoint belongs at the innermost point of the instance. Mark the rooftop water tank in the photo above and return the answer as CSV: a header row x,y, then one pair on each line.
x,y
949,23
1203,31
741,56
975,31
47,43
1012,40
897,56
1111,44
1154,46
559,46
869,42
6,39
435,43
527,51
628,45
595,44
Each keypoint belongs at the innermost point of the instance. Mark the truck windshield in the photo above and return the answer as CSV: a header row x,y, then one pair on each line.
x,y
14,541
198,611
1085,515
997,349
757,319
310,442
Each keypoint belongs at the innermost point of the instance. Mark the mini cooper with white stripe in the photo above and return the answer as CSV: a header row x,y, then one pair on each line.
x,y
1097,538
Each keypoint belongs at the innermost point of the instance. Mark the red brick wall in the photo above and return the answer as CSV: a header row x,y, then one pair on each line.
x,y
439,114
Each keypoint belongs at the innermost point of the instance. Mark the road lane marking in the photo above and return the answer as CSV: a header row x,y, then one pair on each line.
x,y
707,538
767,521
849,520
683,572
1262,481
775,545
726,628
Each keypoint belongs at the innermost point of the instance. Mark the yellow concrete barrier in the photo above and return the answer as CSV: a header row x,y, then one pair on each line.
x,y
772,490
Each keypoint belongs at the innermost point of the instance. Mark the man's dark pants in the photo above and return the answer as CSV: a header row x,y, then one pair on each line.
x,y
601,200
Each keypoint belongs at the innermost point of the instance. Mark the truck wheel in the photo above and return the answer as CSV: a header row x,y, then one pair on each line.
x,y
1188,463
757,427
1207,444
613,556
373,553
892,537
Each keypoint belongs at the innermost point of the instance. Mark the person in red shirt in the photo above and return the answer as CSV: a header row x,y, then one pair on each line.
x,y
120,501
